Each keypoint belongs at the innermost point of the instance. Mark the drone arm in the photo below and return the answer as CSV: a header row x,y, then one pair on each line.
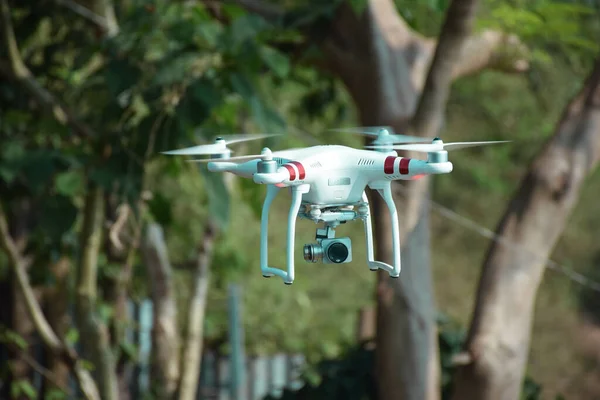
x,y
385,190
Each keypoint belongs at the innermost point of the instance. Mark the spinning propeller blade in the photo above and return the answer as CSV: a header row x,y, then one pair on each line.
x,y
230,159
205,149
431,147
220,145
383,134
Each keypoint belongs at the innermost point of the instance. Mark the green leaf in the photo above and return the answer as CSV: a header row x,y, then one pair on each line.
x,y
55,394
72,336
358,6
210,33
245,28
23,387
58,215
253,195
242,85
106,311
276,61
69,183
205,92
175,69
129,349
12,337
121,75
160,208
85,364
39,169
218,197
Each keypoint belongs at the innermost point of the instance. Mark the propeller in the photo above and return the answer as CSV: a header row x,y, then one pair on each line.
x,y
220,145
383,135
437,145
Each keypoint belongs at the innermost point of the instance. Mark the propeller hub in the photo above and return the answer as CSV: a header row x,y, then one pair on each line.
x,y
266,153
383,132
437,140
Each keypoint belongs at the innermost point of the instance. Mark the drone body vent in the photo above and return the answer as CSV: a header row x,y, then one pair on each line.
x,y
365,161
316,165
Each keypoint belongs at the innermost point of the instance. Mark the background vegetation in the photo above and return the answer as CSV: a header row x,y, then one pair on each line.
x,y
173,74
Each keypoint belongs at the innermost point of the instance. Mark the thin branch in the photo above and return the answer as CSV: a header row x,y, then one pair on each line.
x,y
16,69
20,267
492,50
95,341
116,229
267,11
42,326
85,13
39,368
192,354
461,359
457,27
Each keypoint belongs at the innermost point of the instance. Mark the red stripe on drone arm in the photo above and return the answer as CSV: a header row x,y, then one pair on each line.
x,y
388,165
301,171
404,165
291,170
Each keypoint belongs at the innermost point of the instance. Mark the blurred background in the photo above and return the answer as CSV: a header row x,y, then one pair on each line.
x,y
128,274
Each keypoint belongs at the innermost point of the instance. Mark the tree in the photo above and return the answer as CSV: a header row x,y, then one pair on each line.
x,y
123,91
393,72
498,341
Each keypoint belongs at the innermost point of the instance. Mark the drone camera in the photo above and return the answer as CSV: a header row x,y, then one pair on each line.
x,y
329,251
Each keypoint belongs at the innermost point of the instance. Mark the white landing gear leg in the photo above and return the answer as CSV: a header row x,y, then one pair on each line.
x,y
272,190
385,190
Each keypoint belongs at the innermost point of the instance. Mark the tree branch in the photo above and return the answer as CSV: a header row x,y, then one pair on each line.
x,y
457,27
165,338
16,69
492,50
94,334
86,13
43,371
267,11
50,339
192,352
535,218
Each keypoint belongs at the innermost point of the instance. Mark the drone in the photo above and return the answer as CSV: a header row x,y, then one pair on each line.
x,y
328,185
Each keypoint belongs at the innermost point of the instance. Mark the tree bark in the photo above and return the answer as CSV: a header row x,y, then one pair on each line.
x,y
384,65
93,333
57,306
165,370
19,265
20,321
499,335
192,351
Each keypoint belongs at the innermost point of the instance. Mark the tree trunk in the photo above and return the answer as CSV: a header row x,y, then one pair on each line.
x,y
57,306
56,345
192,351
20,370
499,336
385,66
20,321
165,339
93,333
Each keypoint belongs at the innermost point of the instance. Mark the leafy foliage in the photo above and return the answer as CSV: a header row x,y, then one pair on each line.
x,y
351,375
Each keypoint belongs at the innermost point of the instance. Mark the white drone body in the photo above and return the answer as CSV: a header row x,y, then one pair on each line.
x,y
328,185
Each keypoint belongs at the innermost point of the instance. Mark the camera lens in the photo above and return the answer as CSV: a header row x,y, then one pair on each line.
x,y
337,252
312,253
